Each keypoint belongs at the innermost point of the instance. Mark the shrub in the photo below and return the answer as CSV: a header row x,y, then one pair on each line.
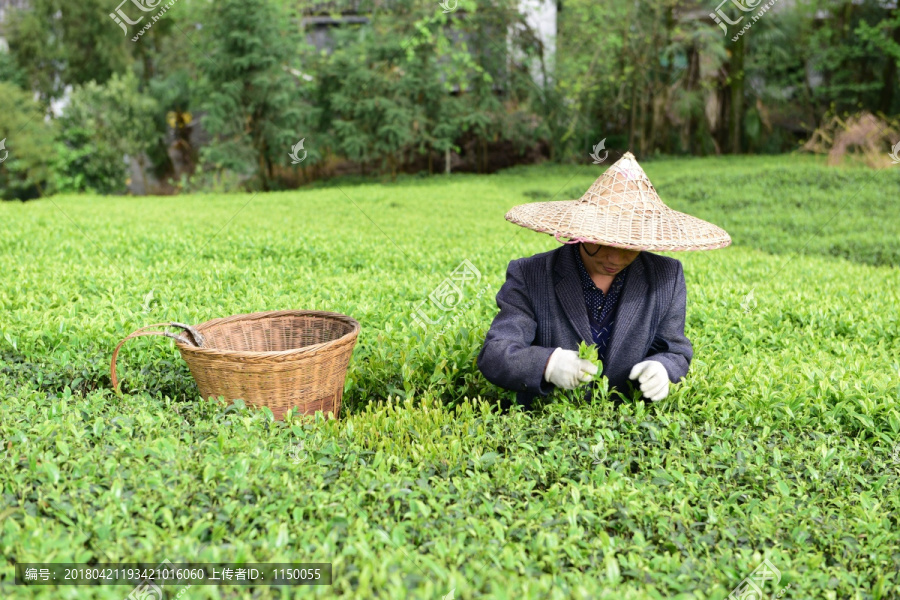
x,y
102,126
27,145
252,104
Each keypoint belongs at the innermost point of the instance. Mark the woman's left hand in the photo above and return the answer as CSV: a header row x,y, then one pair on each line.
x,y
653,377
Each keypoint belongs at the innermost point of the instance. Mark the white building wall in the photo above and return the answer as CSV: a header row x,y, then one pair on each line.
x,y
540,15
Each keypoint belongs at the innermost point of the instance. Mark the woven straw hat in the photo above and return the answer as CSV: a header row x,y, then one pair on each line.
x,y
621,209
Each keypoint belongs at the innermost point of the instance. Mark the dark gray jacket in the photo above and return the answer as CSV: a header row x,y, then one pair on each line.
x,y
542,307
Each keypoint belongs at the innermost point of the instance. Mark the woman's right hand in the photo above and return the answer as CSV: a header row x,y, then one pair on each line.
x,y
566,370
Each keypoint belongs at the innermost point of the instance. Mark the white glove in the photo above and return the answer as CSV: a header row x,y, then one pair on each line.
x,y
566,370
653,377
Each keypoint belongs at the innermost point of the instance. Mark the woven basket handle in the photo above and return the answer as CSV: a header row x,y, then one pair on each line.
x,y
193,337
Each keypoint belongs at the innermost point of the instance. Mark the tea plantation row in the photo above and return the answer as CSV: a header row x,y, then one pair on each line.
x,y
783,443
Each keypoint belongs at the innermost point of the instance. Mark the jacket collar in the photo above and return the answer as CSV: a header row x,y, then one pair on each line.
x,y
570,294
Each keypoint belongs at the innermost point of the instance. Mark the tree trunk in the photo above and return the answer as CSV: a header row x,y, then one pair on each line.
x,y
736,87
261,159
642,121
140,163
889,77
660,114
633,118
656,103
623,61
691,83
721,132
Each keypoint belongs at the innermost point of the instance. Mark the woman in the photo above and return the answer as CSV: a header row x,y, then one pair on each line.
x,y
603,286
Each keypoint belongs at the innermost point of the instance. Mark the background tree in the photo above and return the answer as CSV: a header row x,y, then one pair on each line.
x,y
27,142
254,106
417,82
163,63
11,72
101,127
60,43
398,86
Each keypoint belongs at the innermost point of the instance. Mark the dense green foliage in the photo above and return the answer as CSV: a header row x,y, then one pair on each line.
x,y
402,86
253,105
103,125
65,43
27,145
778,445
663,77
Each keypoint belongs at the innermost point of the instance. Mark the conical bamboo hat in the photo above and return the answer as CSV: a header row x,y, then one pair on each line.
x,y
621,209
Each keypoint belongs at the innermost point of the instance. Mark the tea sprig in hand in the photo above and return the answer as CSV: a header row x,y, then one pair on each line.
x,y
598,386
590,353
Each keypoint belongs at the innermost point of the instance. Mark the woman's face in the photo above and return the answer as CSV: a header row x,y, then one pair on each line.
x,y
607,260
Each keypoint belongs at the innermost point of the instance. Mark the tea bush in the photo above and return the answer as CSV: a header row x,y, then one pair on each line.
x,y
782,443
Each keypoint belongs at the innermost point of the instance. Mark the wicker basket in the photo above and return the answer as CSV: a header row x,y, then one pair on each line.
x,y
279,359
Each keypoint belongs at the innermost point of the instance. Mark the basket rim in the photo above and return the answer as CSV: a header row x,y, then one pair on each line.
x,y
273,353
